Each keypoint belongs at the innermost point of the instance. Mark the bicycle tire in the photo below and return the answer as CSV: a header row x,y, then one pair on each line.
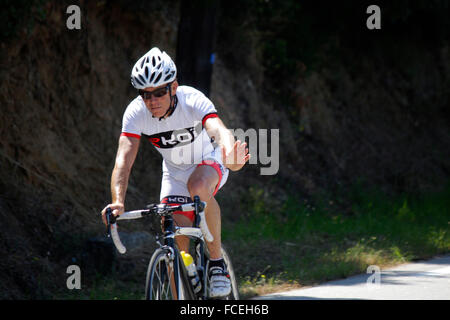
x,y
158,285
234,295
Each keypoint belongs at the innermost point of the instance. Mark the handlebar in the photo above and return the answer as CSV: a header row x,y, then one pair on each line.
x,y
158,209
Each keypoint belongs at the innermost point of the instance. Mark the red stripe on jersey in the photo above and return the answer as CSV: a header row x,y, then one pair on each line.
x,y
210,115
132,135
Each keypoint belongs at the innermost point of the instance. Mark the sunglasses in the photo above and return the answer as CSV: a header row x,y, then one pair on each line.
x,y
158,93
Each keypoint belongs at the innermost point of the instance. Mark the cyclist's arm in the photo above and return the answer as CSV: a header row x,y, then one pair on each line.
x,y
217,130
235,154
126,154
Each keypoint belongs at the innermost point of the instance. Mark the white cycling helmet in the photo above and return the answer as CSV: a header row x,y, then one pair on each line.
x,y
154,69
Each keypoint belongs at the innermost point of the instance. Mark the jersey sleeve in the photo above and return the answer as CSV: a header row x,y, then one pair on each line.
x,y
132,122
204,108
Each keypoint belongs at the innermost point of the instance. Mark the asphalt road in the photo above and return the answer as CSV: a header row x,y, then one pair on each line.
x,y
425,280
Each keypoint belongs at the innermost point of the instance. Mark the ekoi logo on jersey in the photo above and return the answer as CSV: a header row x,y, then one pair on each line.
x,y
171,139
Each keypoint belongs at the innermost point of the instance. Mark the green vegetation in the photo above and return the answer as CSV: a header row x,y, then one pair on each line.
x,y
308,242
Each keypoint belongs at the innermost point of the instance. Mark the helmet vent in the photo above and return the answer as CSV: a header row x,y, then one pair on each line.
x,y
137,80
158,77
152,77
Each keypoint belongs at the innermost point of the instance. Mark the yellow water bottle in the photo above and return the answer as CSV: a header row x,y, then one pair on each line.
x,y
192,271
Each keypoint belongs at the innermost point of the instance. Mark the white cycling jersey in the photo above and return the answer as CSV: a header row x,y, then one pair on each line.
x,y
181,138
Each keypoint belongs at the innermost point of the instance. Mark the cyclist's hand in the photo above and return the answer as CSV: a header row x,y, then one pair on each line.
x,y
236,158
117,209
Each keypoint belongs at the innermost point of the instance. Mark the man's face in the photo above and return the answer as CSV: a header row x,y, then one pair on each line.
x,y
158,106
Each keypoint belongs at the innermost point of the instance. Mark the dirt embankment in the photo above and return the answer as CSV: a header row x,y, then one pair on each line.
x,y
64,91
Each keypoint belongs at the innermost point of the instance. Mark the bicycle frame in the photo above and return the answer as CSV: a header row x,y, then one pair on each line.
x,y
169,246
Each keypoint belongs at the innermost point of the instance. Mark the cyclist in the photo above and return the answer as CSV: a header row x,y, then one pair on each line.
x,y
197,149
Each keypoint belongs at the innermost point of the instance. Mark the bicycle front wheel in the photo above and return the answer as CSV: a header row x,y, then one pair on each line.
x,y
166,277
234,295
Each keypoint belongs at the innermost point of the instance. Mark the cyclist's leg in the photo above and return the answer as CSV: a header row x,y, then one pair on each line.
x,y
203,182
207,178
182,241
174,192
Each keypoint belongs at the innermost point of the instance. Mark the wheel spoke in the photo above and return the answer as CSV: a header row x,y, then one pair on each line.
x,y
161,273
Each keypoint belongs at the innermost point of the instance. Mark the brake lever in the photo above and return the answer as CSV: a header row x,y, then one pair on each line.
x,y
200,206
110,219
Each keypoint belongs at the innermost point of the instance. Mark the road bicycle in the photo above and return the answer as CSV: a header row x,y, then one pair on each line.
x,y
167,276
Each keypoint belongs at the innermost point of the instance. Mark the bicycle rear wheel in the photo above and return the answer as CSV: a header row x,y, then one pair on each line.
x,y
161,274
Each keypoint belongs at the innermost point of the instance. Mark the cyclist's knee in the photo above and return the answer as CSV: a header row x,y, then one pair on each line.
x,y
200,187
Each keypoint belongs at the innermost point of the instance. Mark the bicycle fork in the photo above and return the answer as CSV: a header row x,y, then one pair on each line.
x,y
201,268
